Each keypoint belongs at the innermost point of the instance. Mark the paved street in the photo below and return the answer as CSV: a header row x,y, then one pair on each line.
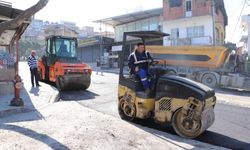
x,y
45,127
231,128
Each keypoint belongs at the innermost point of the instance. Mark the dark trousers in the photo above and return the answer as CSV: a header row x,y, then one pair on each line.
x,y
34,74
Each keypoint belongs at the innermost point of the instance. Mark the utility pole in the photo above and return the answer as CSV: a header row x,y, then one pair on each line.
x,y
248,28
213,18
100,42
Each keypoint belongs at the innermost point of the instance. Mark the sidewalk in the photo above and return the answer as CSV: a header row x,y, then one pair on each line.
x,y
68,125
33,98
233,97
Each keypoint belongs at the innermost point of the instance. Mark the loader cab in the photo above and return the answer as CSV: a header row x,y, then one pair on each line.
x,y
60,48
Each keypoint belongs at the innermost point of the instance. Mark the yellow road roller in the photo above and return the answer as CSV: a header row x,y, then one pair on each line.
x,y
185,104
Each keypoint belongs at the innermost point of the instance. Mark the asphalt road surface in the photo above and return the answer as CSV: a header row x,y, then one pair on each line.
x,y
230,130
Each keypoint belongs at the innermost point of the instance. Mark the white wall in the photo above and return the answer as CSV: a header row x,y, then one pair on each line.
x,y
184,23
246,25
248,45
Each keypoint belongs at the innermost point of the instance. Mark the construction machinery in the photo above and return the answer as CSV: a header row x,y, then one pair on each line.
x,y
185,104
61,66
212,66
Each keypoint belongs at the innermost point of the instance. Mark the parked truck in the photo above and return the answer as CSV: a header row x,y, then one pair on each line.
x,y
213,66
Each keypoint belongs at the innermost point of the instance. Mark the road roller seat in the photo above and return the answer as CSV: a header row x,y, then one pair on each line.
x,y
139,89
135,80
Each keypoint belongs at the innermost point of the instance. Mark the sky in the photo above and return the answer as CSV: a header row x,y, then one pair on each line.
x,y
84,12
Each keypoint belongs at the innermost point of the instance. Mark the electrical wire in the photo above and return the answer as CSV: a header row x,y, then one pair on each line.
x,y
238,19
248,2
237,8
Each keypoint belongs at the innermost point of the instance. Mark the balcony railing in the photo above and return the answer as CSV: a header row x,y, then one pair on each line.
x,y
205,40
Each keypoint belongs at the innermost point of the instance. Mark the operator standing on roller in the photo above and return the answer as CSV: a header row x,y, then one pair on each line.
x,y
139,62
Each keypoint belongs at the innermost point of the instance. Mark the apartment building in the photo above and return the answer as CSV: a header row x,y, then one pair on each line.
x,y
194,22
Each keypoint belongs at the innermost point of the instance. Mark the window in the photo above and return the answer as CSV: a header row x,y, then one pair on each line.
x,y
65,48
48,46
175,3
175,33
138,26
131,27
217,35
174,36
153,24
188,5
119,32
197,31
145,25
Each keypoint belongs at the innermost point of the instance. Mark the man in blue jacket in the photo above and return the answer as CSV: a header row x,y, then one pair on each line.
x,y
139,62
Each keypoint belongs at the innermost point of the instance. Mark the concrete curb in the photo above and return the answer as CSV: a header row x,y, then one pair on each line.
x,y
234,103
17,110
53,96
56,97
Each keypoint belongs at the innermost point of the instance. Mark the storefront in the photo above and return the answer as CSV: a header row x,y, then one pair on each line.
x,y
94,48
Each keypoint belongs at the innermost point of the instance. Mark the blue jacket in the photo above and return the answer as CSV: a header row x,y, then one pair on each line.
x,y
141,60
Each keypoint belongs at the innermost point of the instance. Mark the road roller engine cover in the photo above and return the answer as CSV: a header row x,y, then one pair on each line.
x,y
185,104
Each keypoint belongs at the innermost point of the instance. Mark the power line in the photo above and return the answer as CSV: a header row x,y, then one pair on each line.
x,y
240,35
238,19
248,2
237,8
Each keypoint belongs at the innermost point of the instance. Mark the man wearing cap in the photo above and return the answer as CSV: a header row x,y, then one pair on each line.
x,y
32,62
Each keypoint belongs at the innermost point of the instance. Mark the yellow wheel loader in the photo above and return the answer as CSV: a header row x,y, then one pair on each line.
x,y
187,105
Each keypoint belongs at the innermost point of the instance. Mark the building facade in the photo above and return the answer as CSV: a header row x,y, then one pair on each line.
x,y
137,21
90,49
60,30
246,35
151,23
194,22
148,20
35,31
189,22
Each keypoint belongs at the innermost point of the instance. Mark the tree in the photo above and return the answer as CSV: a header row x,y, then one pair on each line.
x,y
23,16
